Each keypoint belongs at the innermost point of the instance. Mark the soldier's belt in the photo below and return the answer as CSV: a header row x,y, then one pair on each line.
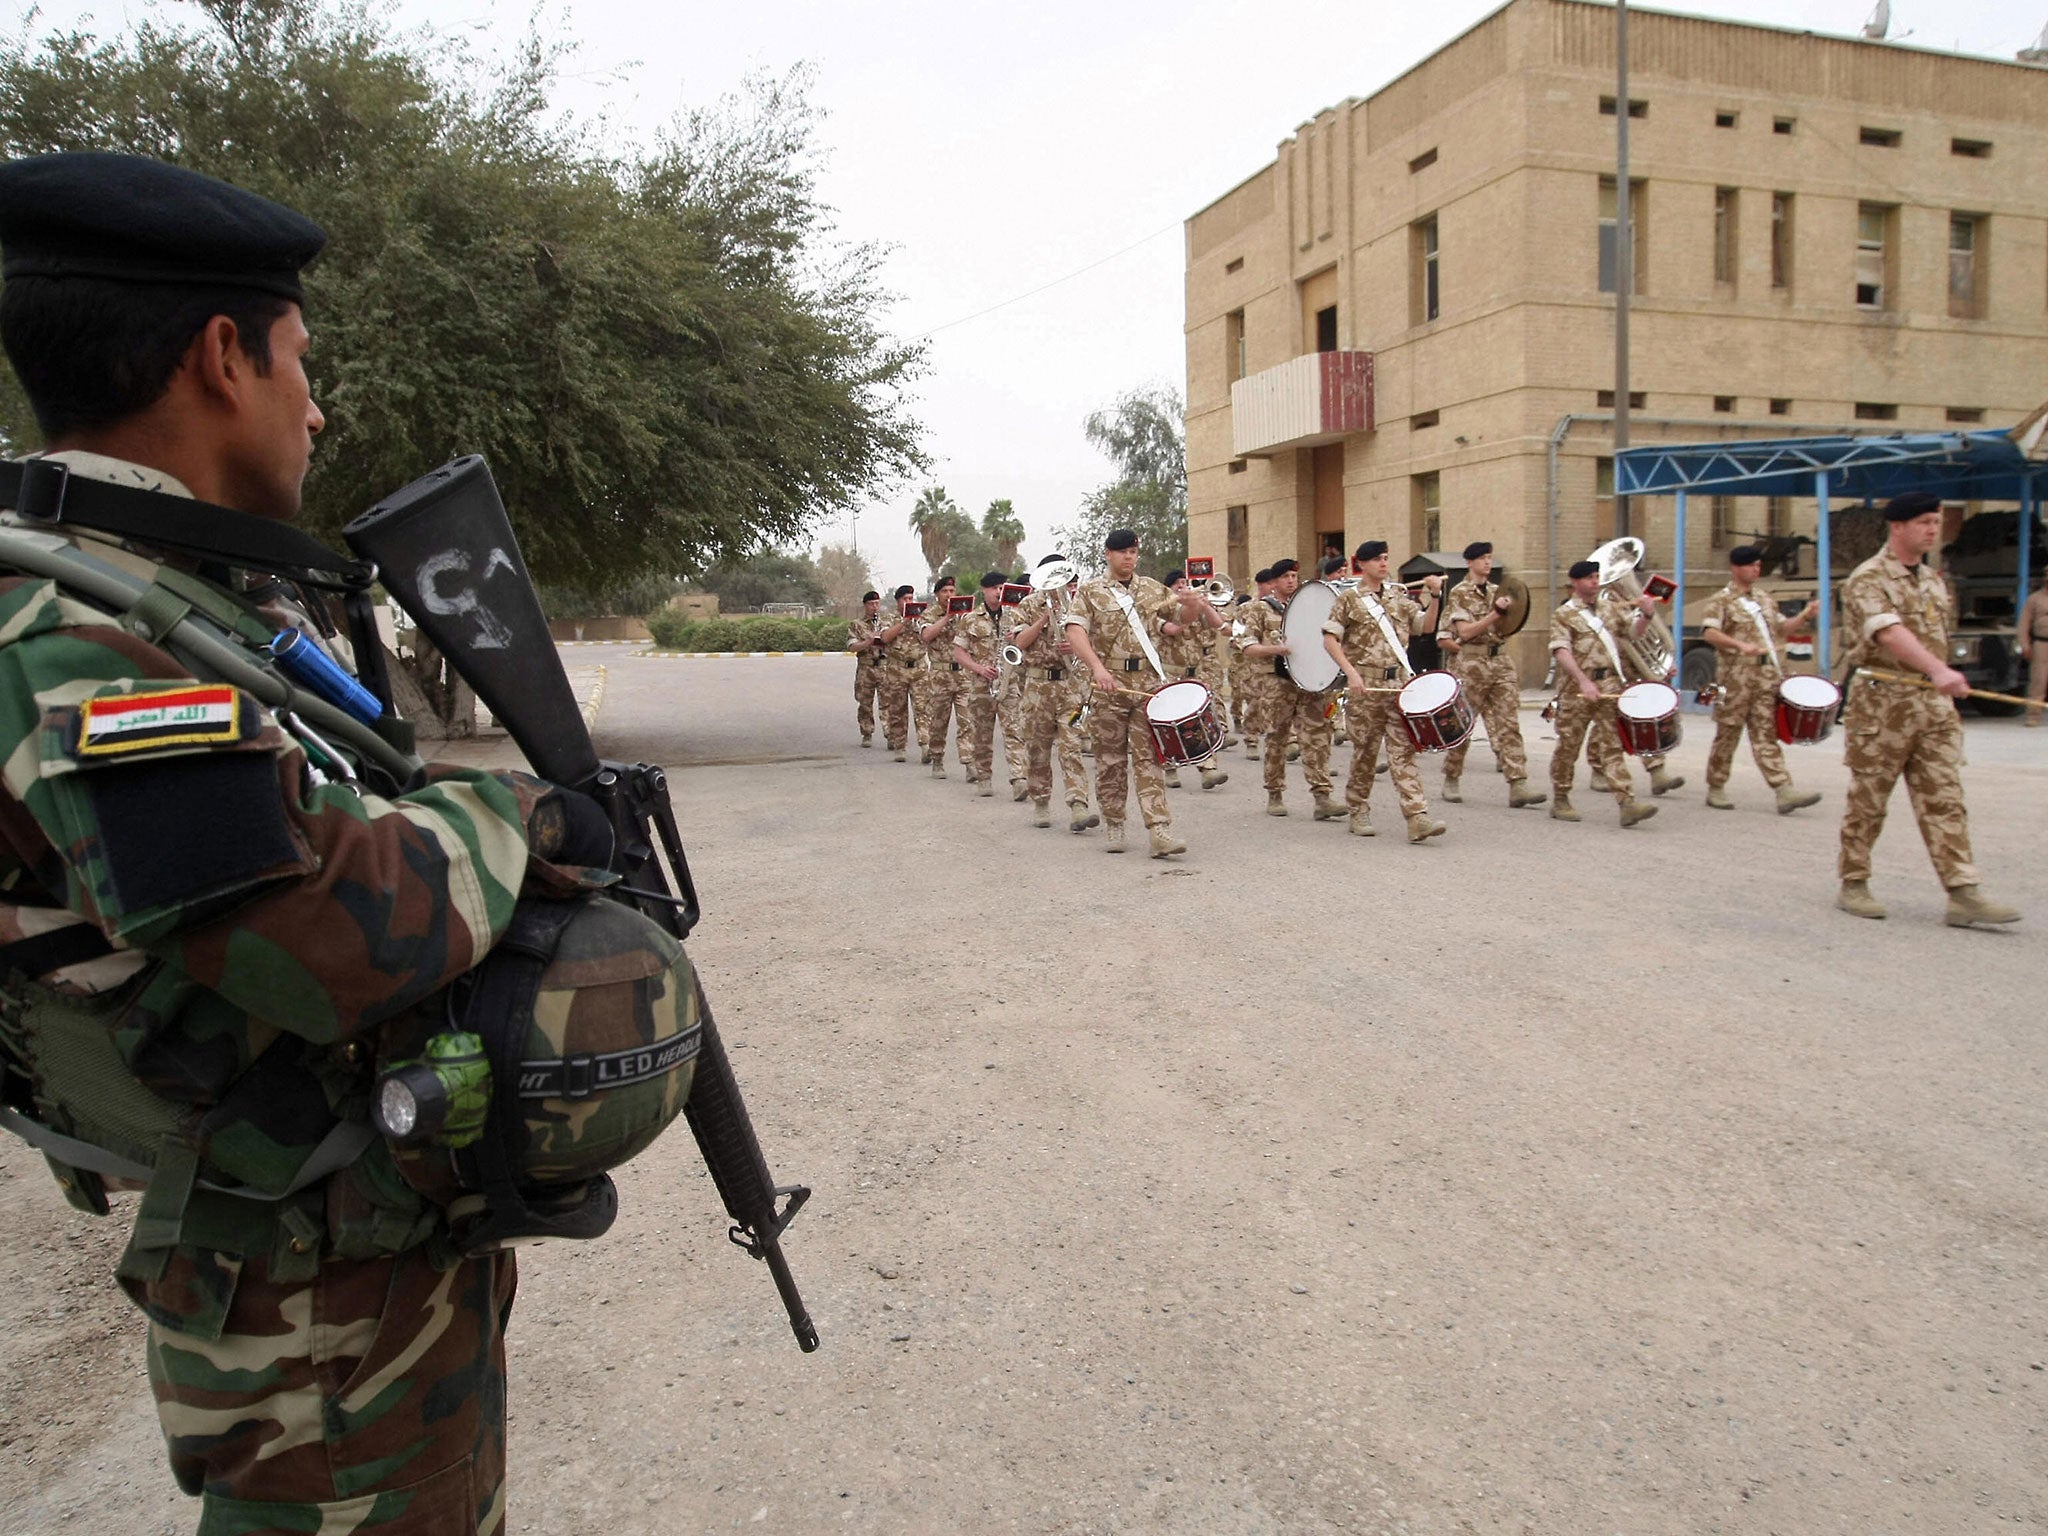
x,y
1597,674
1126,663
1190,671
956,666
1045,674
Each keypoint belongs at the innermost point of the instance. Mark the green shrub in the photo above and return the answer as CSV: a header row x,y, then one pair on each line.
x,y
713,635
830,635
778,634
669,628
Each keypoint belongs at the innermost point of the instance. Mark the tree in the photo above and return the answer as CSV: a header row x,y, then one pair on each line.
x,y
772,576
1141,434
934,519
969,552
845,574
663,351
1003,529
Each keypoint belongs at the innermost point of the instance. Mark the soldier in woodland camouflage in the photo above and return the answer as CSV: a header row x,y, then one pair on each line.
x,y
1469,631
1895,616
863,640
1742,623
1585,637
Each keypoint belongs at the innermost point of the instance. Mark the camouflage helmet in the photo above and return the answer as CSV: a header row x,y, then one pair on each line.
x,y
562,1056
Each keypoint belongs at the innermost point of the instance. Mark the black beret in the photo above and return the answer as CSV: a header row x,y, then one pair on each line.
x,y
1265,574
1477,548
1121,538
1371,549
906,590
1745,554
1048,560
1583,568
870,597
1912,504
1282,567
127,219
994,578
1168,578
944,582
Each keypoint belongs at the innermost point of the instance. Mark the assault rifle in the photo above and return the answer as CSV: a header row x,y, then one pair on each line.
x,y
444,549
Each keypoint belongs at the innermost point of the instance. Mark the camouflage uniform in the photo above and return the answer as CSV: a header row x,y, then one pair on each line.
x,y
867,671
1185,657
1571,629
945,691
1216,664
903,661
1284,711
2034,642
1119,718
1893,728
1052,698
1239,670
320,1360
1377,716
1010,707
1489,677
1748,696
980,635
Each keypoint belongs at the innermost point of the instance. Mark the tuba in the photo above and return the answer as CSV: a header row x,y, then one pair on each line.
x,y
1219,591
1655,653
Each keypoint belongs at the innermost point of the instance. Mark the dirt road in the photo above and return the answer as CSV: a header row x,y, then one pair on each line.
x,y
1541,1179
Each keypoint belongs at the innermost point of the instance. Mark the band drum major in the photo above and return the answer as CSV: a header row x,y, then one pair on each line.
x,y
1806,709
1185,725
1646,719
1435,712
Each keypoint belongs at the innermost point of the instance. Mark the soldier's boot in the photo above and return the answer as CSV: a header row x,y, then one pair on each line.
x,y
1081,818
1855,898
1663,780
1521,795
1230,738
1717,798
1275,805
1213,778
987,789
1041,813
1452,793
1019,789
1251,749
938,768
926,756
1966,907
1328,809
1635,812
1383,766
899,754
867,741
1422,827
1293,753
1361,822
1600,786
1790,799
1112,837
1165,844
1561,808
1173,778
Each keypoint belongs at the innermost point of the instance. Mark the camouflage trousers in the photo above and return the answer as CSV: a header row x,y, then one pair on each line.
x,y
867,682
1122,744
1010,716
1049,708
978,709
1240,698
1286,712
945,697
2037,672
1589,726
1493,686
369,1399
1374,718
1748,701
898,682
1894,730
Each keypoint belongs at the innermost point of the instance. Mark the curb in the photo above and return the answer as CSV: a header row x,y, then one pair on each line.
x,y
594,703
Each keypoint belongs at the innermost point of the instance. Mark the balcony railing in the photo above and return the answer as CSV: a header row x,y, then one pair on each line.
x,y
1316,398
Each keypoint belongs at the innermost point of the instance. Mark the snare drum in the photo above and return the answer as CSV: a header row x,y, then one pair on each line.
x,y
1806,709
1185,724
1434,711
1646,718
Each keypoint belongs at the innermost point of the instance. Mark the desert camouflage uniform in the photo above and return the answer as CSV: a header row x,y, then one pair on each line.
x,y
1239,669
1283,711
1122,744
1492,684
1216,664
1010,706
903,662
1185,657
867,671
320,1361
1052,698
1893,728
980,635
1748,696
1377,717
1583,724
2034,642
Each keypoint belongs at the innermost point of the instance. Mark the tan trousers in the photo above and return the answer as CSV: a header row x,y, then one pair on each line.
x,y
1591,726
1492,686
1122,743
1896,731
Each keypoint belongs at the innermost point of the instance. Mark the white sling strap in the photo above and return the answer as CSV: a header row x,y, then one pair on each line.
x,y
1749,604
1600,628
1379,617
1123,601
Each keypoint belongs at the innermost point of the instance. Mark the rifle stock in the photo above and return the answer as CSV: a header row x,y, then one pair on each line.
x,y
445,550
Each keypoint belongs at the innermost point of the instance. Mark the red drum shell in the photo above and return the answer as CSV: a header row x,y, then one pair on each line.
x,y
1806,709
1185,725
1436,720
1646,719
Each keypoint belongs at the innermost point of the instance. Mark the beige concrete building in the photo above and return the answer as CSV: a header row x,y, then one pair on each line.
x,y
1398,328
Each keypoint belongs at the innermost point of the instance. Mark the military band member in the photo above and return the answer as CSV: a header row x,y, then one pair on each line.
x,y
902,656
976,639
1245,688
1010,699
1584,637
2034,642
1743,624
1896,613
1113,627
862,638
1052,701
943,688
1288,715
1184,648
1367,635
1469,632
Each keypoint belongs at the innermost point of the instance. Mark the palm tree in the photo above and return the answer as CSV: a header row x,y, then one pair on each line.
x,y
1003,529
928,521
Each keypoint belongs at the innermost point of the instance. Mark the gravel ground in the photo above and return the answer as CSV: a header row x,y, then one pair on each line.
x,y
1540,1179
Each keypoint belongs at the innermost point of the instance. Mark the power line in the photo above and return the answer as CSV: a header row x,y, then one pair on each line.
x,y
1046,287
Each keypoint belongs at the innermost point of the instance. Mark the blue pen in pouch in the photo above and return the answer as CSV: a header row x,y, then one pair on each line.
x,y
312,669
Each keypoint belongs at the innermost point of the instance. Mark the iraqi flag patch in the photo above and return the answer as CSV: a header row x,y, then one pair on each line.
x,y
150,719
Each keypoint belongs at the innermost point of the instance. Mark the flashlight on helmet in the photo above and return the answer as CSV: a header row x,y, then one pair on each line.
x,y
443,1097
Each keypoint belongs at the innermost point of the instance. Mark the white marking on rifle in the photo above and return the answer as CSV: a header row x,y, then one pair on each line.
x,y
491,634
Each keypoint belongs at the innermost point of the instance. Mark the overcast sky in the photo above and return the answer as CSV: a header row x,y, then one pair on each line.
x,y
1001,149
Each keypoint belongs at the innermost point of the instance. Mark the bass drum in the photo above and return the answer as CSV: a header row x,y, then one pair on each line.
x,y
1312,668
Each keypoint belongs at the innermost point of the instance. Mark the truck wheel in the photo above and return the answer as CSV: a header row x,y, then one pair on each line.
x,y
1701,667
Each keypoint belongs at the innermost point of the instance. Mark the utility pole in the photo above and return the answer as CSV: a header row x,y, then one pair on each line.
x,y
1624,258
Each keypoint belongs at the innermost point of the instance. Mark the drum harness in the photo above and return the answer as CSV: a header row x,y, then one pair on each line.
x,y
1379,617
1123,601
1749,605
1606,637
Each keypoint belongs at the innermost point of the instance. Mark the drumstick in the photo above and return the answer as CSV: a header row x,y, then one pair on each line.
x,y
1915,680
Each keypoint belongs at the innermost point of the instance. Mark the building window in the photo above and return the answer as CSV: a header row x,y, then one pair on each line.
x,y
1966,413
1638,213
1604,399
1879,138
1725,119
1427,512
1876,410
1781,239
1423,161
1326,329
1781,407
1965,281
1970,149
1723,404
1874,245
1637,107
1237,564
1425,290
1233,346
1422,419
1238,466
1235,264
1721,521
1724,236
1782,124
